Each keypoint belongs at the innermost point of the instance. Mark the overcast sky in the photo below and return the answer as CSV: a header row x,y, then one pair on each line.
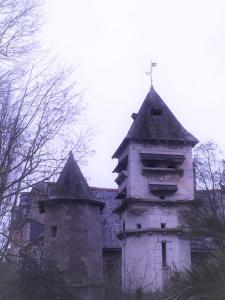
x,y
113,41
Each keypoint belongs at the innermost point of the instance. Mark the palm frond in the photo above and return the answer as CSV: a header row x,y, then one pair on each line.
x,y
203,282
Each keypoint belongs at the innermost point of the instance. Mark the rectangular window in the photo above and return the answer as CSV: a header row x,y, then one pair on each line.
x,y
41,207
164,262
156,112
124,225
53,231
163,225
139,226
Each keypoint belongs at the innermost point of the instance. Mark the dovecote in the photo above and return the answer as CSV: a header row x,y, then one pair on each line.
x,y
161,164
149,159
162,189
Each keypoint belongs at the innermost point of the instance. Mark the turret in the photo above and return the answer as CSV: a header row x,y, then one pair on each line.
x,y
155,183
72,235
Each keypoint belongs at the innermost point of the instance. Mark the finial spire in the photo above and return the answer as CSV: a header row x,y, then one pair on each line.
x,y
149,73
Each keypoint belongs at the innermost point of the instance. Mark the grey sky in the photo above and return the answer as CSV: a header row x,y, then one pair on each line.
x,y
114,42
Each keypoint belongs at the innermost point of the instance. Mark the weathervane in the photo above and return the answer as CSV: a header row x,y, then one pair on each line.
x,y
149,73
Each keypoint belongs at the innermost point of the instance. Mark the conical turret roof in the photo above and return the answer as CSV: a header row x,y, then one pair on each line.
x,y
72,184
155,122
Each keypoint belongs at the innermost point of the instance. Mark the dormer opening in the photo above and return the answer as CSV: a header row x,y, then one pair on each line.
x,y
156,112
138,226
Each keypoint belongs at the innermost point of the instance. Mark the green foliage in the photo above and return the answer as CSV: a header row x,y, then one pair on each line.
x,y
206,281
204,225
33,280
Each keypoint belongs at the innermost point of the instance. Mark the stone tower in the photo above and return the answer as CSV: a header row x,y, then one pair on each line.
x,y
72,235
155,184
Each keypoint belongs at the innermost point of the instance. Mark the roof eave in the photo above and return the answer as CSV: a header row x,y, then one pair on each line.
x,y
72,200
120,148
125,142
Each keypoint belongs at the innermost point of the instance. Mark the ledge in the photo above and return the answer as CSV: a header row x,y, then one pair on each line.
x,y
137,232
162,157
122,165
125,203
148,170
121,177
111,250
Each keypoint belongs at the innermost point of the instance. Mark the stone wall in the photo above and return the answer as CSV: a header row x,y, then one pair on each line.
x,y
73,239
138,185
142,259
112,273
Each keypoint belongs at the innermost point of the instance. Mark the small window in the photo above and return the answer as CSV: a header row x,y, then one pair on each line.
x,y
53,231
163,225
164,260
139,226
41,207
156,112
124,225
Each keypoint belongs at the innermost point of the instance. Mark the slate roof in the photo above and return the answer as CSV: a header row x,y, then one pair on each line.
x,y
36,229
111,223
72,184
155,122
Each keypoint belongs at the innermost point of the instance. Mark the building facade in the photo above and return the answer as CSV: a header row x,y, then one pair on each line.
x,y
105,240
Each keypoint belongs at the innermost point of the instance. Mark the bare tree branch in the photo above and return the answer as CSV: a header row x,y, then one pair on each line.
x,y
40,110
